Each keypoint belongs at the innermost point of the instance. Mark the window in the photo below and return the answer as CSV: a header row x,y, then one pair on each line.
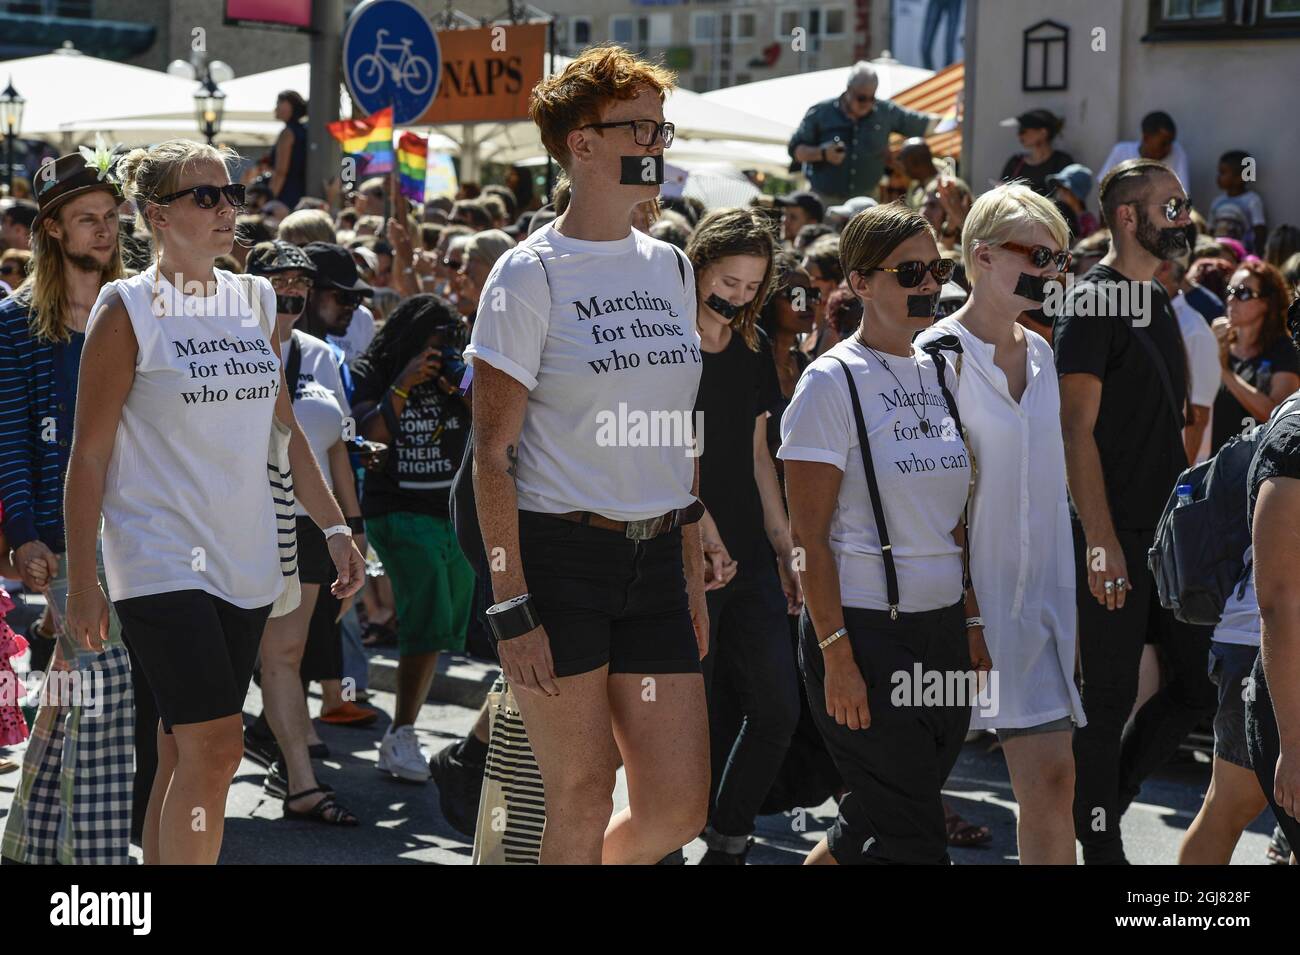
x,y
1045,57
744,27
1233,20
703,28
579,31
818,22
638,33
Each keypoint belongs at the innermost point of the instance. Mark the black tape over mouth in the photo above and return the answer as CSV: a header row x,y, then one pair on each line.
x,y
723,307
922,306
1032,287
290,304
638,170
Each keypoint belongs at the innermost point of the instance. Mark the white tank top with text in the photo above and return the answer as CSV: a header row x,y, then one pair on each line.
x,y
187,504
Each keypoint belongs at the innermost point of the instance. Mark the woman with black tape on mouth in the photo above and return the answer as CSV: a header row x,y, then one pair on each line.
x,y
1022,556
877,476
749,641
598,573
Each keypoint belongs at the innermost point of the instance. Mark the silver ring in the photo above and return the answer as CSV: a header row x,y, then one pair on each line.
x,y
1121,582
1109,586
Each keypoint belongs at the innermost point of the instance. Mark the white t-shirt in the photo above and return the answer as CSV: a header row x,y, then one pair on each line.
x,y
923,479
1240,622
359,335
610,355
1176,160
1202,353
187,502
1250,204
319,403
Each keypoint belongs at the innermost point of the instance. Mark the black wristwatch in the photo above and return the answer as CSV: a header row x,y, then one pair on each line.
x,y
513,618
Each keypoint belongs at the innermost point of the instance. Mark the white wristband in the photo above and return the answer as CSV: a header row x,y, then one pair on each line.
x,y
337,529
972,622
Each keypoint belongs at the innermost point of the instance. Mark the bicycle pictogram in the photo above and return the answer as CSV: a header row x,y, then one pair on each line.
x,y
408,71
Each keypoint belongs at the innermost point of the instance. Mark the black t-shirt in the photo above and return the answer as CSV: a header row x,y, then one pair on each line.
x,y
1138,436
801,361
426,450
1278,452
1018,167
1229,416
736,386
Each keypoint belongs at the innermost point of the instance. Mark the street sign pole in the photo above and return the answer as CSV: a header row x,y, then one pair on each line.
x,y
323,155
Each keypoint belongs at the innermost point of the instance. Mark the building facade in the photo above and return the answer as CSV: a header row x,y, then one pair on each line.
x,y
1225,70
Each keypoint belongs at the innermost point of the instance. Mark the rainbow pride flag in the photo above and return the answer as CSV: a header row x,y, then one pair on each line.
x,y
412,161
369,141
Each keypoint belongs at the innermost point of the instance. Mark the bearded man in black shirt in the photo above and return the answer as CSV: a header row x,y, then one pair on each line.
x,y
1123,370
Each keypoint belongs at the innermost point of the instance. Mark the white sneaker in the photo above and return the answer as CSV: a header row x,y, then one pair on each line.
x,y
401,755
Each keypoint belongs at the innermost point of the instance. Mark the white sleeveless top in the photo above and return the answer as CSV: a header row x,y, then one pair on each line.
x,y
187,504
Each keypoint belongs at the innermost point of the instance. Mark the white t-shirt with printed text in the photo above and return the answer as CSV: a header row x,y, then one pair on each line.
x,y
605,342
923,478
319,403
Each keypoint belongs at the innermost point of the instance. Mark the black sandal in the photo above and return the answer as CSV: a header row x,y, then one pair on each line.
x,y
378,635
327,811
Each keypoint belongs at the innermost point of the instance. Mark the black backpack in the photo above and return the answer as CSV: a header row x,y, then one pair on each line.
x,y
1198,556
464,508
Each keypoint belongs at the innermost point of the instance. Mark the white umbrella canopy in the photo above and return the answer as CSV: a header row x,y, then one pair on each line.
x,y
785,99
68,85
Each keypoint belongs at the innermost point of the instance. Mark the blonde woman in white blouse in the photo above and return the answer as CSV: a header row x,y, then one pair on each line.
x,y
1022,552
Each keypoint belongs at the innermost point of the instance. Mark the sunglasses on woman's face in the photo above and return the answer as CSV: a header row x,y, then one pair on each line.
x,y
207,197
1242,293
1040,255
810,293
911,274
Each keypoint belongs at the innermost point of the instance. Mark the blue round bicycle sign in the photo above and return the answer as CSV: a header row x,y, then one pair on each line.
x,y
391,58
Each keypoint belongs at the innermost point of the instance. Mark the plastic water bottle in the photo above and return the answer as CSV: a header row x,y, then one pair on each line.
x,y
1184,492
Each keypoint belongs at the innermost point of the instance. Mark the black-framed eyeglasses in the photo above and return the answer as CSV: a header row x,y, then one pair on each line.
x,y
1242,293
207,197
810,293
347,299
1040,255
645,132
911,274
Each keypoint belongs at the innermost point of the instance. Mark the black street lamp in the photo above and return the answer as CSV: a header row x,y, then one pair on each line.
x,y
11,118
209,105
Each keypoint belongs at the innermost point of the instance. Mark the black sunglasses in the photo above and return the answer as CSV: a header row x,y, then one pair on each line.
x,y
1173,208
1242,293
644,131
207,197
453,264
911,274
347,299
1040,255
11,270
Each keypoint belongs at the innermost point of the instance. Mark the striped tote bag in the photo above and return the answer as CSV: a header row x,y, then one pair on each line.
x,y
280,478
512,808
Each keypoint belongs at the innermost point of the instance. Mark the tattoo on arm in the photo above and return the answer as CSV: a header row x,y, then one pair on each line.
x,y
513,469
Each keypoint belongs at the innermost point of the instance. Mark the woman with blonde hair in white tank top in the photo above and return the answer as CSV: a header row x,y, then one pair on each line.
x,y
173,453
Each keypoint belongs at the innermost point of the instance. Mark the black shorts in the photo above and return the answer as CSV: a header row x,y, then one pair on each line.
x,y
895,768
197,651
315,566
605,599
1230,666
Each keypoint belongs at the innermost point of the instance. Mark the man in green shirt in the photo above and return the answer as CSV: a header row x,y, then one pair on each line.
x,y
843,142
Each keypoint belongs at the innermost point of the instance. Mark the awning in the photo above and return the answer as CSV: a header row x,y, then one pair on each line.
x,y
938,94
25,35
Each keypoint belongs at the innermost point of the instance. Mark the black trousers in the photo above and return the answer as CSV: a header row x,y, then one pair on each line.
x,y
749,669
894,769
1110,764
1265,747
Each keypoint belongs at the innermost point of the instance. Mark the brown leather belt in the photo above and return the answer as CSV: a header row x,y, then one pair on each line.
x,y
638,530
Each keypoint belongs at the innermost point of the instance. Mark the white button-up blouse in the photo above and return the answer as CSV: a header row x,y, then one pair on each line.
x,y
1022,548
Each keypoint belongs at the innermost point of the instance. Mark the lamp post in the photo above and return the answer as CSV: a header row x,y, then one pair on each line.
x,y
209,105
11,118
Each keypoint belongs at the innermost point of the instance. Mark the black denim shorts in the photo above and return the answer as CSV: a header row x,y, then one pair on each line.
x,y
605,599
